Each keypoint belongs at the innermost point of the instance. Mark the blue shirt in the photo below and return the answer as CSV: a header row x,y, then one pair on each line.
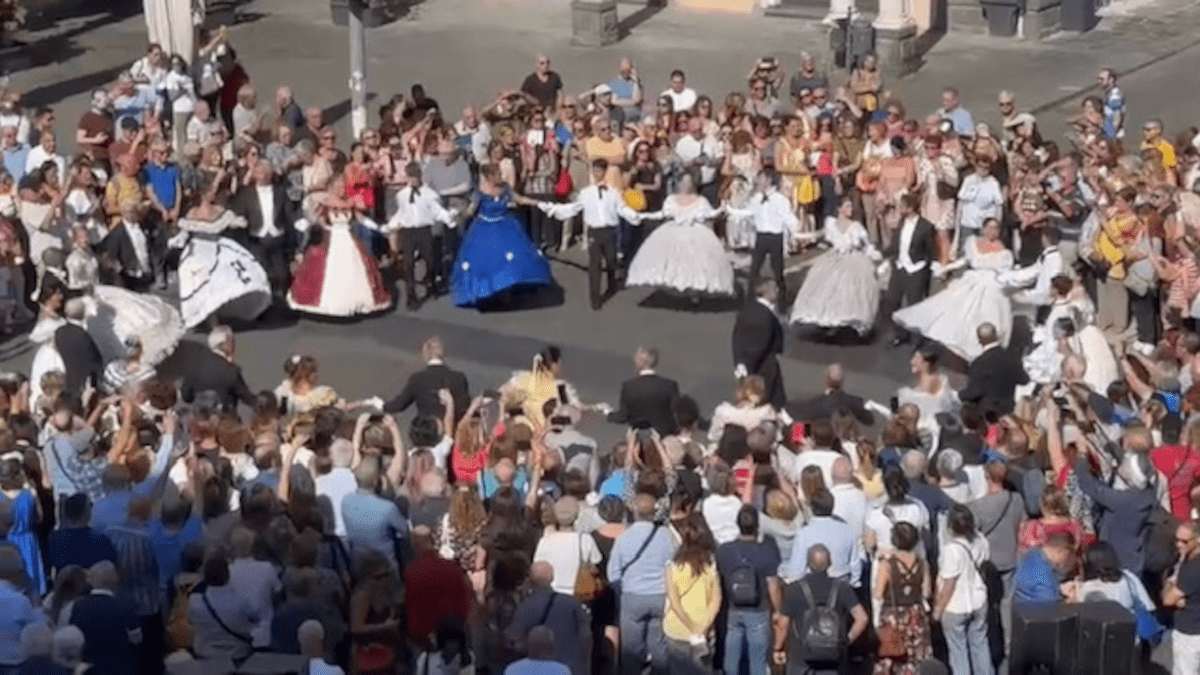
x,y
647,574
845,551
1114,104
168,547
113,508
16,612
81,546
488,483
960,117
14,161
374,522
623,89
134,106
163,180
69,473
1035,579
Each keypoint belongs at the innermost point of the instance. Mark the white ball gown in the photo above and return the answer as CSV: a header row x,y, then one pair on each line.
x,y
113,315
841,289
217,275
1044,362
337,277
952,316
683,253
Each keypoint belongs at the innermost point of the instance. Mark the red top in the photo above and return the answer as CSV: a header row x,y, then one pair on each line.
x,y
467,469
234,80
360,187
1034,533
434,588
1181,466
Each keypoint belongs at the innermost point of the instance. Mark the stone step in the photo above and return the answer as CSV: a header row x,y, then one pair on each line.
x,y
813,9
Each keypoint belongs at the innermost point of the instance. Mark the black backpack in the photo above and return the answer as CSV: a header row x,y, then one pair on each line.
x,y
823,637
743,585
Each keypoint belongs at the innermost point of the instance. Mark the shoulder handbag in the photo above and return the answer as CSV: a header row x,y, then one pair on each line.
x,y
589,583
217,617
616,585
891,639
1148,627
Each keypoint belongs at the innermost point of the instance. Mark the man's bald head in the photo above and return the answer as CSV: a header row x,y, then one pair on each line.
x,y
542,573
103,575
818,558
834,376
841,472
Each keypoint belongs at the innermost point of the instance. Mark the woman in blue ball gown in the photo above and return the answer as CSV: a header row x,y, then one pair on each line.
x,y
496,257
25,515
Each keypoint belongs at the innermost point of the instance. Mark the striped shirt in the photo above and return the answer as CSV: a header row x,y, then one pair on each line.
x,y
138,566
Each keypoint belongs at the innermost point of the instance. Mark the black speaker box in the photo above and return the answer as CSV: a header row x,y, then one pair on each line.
x,y
1106,638
1044,636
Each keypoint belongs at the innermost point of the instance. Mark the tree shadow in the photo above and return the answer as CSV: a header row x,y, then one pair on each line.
x,y
66,10
334,113
642,15
57,91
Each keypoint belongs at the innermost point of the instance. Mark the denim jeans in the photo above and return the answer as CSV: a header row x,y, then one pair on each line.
x,y
967,642
642,633
751,627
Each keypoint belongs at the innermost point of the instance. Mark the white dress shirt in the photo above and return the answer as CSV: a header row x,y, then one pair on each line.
x,y
770,212
266,204
1048,266
600,205
903,259
419,207
140,249
689,149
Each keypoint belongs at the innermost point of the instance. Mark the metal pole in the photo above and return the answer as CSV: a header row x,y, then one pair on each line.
x,y
358,67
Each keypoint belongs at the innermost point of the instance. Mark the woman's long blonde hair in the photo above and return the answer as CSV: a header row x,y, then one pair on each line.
x,y
466,511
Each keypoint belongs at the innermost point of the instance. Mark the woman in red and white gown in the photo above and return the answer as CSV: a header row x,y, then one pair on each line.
x,y
337,277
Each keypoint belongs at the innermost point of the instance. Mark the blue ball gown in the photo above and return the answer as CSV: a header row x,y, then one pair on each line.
x,y
496,256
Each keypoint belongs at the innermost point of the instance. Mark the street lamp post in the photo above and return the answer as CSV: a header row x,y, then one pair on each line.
x,y
358,66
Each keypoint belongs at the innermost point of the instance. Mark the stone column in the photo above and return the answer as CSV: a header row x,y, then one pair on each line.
x,y
594,23
896,38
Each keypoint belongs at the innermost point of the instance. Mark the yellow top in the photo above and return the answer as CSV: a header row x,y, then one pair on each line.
x,y
700,598
1166,149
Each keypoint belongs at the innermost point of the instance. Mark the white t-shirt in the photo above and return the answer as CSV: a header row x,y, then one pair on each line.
x,y
563,550
881,519
959,560
721,515
822,459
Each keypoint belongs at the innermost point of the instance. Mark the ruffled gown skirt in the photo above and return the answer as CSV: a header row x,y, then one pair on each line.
x,y
338,278
686,258
121,314
496,257
952,316
840,290
217,276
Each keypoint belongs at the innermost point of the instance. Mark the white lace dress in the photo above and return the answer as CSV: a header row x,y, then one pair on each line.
x,y
840,288
683,253
952,315
216,274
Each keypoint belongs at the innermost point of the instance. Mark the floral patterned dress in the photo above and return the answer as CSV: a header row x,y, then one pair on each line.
x,y
904,610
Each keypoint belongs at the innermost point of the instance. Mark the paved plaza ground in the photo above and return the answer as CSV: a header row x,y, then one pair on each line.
x,y
464,51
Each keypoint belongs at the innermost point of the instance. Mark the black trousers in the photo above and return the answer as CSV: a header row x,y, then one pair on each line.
x,y
412,240
273,254
544,230
905,289
138,284
1144,309
153,647
602,244
767,246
